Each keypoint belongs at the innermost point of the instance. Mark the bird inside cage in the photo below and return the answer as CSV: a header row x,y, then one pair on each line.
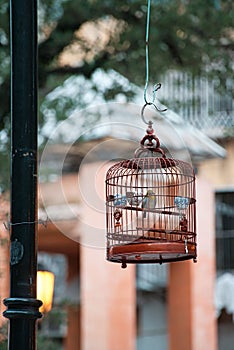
x,y
149,201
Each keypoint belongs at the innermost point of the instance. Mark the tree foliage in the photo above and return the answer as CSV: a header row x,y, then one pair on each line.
x,y
196,36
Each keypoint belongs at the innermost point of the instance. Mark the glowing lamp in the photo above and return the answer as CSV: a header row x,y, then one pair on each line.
x,y
45,289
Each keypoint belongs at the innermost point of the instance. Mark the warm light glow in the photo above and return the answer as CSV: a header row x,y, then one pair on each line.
x,y
45,289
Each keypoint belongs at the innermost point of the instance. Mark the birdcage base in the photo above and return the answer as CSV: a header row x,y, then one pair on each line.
x,y
153,252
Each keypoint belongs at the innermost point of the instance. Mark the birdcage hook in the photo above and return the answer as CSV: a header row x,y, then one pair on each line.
x,y
143,111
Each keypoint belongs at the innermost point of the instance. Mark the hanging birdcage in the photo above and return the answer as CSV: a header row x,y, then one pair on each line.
x,y
150,207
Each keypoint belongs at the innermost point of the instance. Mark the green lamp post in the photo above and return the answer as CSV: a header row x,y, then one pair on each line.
x,y
22,305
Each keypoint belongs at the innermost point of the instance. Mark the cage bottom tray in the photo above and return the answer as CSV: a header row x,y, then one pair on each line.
x,y
151,251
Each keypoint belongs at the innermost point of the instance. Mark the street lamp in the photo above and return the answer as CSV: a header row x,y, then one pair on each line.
x,y
45,288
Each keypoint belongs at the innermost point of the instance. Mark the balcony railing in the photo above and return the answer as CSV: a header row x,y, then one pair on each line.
x,y
199,101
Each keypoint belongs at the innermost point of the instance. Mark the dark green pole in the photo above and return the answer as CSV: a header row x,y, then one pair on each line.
x,y
22,306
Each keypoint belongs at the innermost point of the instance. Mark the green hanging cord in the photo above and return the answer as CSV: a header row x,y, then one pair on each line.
x,y
157,86
147,52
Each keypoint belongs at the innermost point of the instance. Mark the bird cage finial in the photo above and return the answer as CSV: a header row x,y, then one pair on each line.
x,y
150,142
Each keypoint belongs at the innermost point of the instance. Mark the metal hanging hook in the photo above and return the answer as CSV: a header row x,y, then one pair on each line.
x,y
149,123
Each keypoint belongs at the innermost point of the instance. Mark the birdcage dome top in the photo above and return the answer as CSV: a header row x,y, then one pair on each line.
x,y
140,164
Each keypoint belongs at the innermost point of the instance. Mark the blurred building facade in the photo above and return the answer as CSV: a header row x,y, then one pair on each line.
x,y
146,305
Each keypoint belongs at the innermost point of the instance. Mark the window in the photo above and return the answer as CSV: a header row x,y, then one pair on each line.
x,y
225,230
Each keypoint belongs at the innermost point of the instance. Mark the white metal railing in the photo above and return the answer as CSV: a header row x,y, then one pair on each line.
x,y
199,101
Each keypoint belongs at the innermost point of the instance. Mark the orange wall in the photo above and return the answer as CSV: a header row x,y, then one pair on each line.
x,y
107,303
108,295
218,171
203,274
179,310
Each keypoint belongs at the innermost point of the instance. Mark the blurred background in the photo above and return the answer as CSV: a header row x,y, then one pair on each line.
x,y
91,59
